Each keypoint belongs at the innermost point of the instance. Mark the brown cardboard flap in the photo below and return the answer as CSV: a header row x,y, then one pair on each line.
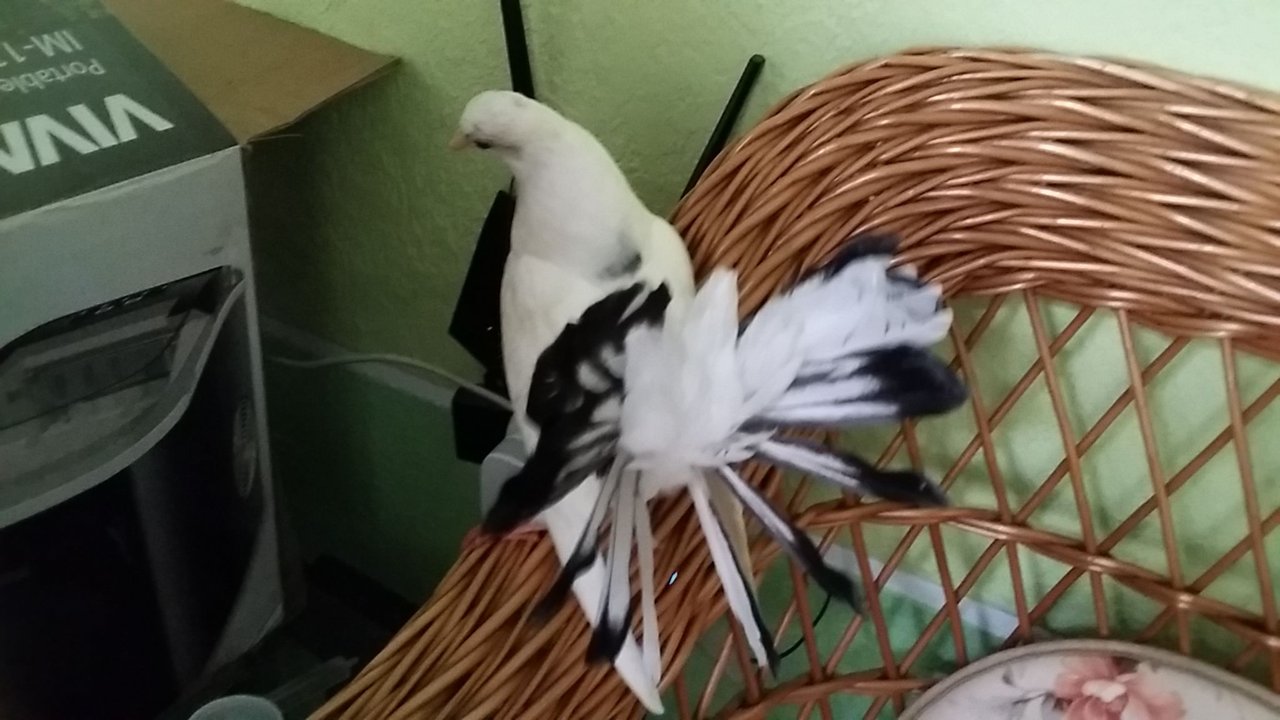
x,y
255,72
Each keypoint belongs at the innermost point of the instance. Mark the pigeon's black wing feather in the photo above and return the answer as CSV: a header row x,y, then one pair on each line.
x,y
574,398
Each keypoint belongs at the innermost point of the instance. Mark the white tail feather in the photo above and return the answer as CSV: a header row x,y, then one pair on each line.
x,y
728,508
617,594
726,567
564,524
649,643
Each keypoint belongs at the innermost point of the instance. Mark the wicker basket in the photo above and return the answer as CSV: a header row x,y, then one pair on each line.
x,y
1110,237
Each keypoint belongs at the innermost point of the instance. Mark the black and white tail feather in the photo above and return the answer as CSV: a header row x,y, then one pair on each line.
x,y
660,403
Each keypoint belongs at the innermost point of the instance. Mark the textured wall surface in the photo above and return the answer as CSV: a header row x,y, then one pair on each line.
x,y
395,214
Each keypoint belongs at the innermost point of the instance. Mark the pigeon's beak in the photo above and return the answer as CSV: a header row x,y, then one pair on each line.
x,y
459,141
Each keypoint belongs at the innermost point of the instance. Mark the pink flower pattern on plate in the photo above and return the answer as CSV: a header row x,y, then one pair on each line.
x,y
1097,688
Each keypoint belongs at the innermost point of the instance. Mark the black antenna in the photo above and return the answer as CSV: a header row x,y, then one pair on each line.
x,y
517,48
728,118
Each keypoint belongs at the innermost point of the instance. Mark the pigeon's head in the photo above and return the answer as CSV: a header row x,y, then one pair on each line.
x,y
505,122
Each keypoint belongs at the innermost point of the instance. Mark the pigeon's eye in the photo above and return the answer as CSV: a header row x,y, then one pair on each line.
x,y
483,145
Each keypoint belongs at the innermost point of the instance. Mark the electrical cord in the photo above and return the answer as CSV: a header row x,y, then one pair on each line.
x,y
822,610
390,359
816,619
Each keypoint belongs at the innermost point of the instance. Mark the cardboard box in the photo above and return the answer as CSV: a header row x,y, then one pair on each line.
x,y
122,126
127,305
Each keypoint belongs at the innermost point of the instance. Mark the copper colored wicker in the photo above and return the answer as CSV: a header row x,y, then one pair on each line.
x,y
1137,195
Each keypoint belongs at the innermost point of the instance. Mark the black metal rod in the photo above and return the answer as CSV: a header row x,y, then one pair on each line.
x,y
517,48
724,127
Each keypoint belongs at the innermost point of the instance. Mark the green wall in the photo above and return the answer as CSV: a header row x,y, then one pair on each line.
x,y
390,217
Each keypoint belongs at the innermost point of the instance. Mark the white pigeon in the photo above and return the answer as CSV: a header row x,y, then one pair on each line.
x,y
662,401
578,234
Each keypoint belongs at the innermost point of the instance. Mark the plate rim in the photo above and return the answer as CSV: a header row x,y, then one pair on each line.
x,y
1190,665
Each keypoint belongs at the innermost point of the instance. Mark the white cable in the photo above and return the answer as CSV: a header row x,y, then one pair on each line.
x,y
386,358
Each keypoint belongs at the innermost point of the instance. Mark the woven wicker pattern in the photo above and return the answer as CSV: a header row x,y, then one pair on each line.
x,y
1031,186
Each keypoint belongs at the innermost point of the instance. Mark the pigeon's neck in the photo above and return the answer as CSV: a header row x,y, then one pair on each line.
x,y
575,209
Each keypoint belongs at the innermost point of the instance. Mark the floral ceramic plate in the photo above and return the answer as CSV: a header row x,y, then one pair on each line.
x,y
1093,680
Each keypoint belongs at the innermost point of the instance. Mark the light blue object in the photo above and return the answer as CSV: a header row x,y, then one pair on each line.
x,y
239,707
499,465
